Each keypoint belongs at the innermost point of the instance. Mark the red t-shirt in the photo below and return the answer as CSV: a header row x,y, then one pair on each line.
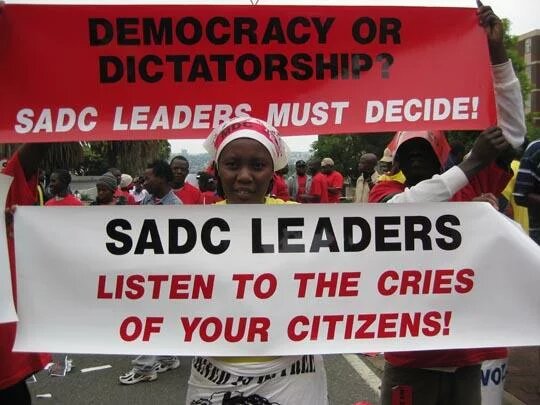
x,y
17,366
280,188
302,180
69,199
334,180
130,200
209,197
493,179
319,187
188,194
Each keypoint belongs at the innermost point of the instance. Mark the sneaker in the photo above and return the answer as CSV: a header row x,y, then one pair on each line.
x,y
166,364
135,375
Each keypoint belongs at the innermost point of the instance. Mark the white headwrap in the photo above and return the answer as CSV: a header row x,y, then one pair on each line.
x,y
252,128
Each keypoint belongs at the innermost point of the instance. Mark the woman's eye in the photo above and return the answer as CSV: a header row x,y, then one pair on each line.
x,y
258,165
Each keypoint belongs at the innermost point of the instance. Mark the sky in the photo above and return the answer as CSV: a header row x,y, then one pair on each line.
x,y
523,15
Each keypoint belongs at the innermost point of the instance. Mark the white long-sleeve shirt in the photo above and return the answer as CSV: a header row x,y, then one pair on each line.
x,y
510,118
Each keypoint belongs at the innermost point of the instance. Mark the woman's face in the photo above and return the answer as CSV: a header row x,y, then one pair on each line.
x,y
245,169
104,194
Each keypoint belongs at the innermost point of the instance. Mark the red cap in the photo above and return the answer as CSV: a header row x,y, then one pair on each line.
x,y
436,139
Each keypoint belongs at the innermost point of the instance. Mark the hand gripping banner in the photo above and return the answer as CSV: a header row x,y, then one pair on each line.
x,y
80,72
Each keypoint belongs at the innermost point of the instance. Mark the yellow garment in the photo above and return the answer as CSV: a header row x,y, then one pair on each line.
x,y
40,200
521,216
268,201
399,176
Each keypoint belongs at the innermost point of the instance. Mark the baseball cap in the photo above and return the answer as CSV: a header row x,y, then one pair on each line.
x,y
327,162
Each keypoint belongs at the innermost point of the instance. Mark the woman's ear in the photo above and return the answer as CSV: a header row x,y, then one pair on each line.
x,y
219,188
270,187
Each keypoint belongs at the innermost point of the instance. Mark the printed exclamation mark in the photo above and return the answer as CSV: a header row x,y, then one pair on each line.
x,y
447,318
474,114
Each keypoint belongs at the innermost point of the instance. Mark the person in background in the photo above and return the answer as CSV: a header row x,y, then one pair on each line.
x,y
527,189
279,188
120,194
126,183
367,177
138,192
158,178
43,193
299,183
386,169
334,180
527,194
117,173
59,186
187,193
207,186
318,191
106,187
384,164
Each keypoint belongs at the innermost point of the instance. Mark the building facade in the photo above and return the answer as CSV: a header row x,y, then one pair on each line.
x,y
529,48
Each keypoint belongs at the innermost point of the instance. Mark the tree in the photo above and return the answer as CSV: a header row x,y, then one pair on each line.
x,y
346,149
95,158
129,156
66,155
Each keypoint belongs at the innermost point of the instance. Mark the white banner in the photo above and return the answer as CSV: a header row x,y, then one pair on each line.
x,y
274,280
7,309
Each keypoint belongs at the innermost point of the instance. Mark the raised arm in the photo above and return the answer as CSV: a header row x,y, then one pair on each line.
x,y
508,97
487,147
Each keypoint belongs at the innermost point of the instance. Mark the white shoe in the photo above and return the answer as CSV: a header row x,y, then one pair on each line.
x,y
166,364
135,375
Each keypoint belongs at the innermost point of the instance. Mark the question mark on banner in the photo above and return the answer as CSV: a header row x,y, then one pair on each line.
x,y
387,61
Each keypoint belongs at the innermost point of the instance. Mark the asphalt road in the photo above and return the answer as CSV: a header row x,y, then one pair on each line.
x,y
345,384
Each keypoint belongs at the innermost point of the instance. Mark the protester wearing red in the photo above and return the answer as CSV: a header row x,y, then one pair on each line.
x,y
299,183
280,189
187,193
68,200
453,375
126,183
59,186
207,186
334,180
318,191
16,366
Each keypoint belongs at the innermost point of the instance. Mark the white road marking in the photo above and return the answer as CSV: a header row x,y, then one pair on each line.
x,y
371,379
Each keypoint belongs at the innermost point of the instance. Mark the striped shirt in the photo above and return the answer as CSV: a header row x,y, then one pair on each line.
x,y
528,181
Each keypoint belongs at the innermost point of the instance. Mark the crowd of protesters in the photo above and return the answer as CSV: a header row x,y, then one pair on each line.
x,y
249,165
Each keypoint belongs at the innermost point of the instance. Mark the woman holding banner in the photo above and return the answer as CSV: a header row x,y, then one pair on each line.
x,y
247,152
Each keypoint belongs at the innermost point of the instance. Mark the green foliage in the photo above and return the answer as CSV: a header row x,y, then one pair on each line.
x,y
510,44
62,155
130,157
346,149
533,132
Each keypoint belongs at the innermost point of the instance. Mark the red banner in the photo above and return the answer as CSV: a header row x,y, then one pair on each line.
x,y
70,72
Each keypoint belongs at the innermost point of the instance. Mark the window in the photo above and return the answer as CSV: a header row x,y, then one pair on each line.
x,y
528,45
